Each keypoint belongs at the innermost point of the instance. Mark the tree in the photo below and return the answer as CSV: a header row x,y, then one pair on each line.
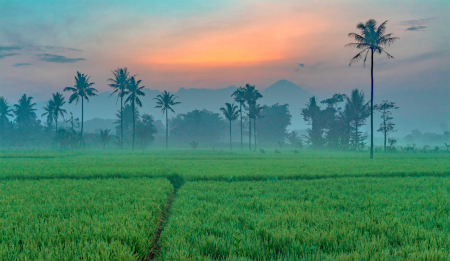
x,y
127,120
57,102
25,113
120,83
231,113
105,137
165,101
82,89
255,113
5,112
239,98
371,39
202,126
386,115
145,130
250,95
357,110
273,123
48,111
312,114
134,91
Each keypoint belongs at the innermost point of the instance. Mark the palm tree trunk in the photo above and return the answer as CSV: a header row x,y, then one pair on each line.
x,y
56,126
134,115
167,130
250,133
230,136
121,121
356,136
242,144
254,131
82,116
385,135
371,110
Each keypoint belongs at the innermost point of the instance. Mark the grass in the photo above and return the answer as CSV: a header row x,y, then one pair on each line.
x,y
113,219
330,219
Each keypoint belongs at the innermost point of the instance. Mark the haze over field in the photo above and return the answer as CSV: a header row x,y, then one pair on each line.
x,y
194,47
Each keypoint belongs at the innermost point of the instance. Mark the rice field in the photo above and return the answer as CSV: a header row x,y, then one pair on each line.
x,y
113,219
329,219
222,205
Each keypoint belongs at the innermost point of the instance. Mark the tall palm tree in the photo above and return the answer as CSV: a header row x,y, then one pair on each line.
x,y
250,95
24,111
239,98
119,83
134,91
255,113
165,101
230,112
58,102
82,89
5,112
48,111
358,110
371,39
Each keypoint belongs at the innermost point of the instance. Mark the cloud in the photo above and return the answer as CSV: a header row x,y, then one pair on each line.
x,y
3,55
58,58
301,65
417,24
21,64
416,28
55,48
10,48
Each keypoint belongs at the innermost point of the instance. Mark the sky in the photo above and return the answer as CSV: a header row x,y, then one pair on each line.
x,y
215,44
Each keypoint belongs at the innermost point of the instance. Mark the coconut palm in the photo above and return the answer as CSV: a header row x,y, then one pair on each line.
x,y
358,110
255,113
134,91
105,137
119,83
5,112
24,111
372,39
239,98
48,111
165,101
231,113
250,95
82,89
54,109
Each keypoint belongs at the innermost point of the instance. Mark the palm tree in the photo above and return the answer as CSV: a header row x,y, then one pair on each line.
x,y
165,101
358,110
82,89
255,112
134,91
24,111
371,39
105,137
231,113
239,98
5,112
58,102
48,111
250,95
119,83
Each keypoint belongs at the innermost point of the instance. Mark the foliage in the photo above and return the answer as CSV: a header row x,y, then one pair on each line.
x,y
194,145
146,130
273,123
105,137
386,126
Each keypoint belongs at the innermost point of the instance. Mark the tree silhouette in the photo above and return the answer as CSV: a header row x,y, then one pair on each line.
x,y
105,137
255,113
165,101
386,115
231,113
358,111
312,114
5,112
250,95
82,89
239,98
48,111
134,91
54,109
25,113
371,39
120,83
